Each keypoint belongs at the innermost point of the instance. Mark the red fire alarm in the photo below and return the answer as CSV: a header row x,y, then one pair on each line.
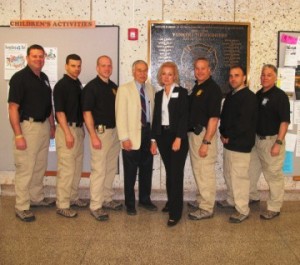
x,y
133,34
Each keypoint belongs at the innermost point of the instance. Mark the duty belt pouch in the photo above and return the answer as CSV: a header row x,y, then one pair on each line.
x,y
198,129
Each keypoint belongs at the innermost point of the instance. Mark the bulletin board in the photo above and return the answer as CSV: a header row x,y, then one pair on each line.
x,y
88,43
288,57
224,44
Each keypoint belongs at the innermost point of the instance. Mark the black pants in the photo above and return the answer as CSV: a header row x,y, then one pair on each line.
x,y
133,160
174,163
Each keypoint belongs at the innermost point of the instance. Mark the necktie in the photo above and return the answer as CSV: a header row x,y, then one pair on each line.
x,y
143,104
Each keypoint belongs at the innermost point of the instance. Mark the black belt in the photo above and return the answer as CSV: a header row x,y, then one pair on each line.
x,y
260,137
264,137
25,118
75,124
104,126
165,127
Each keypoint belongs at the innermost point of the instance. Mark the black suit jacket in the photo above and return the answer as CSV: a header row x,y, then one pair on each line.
x,y
178,113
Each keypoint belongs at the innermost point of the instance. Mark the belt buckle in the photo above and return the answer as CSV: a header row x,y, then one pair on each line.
x,y
101,128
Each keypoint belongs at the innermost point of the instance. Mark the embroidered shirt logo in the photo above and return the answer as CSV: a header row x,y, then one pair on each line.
x,y
199,93
264,101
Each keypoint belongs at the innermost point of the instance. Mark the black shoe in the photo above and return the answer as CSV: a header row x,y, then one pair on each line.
x,y
131,211
165,209
172,222
148,206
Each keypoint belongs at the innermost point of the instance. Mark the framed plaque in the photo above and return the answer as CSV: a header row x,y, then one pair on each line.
x,y
224,44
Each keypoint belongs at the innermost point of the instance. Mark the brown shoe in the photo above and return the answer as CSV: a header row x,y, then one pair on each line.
x,y
112,205
254,201
67,212
26,215
79,203
237,218
268,215
46,202
100,214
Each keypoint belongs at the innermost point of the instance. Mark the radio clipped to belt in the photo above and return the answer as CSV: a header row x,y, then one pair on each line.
x,y
100,128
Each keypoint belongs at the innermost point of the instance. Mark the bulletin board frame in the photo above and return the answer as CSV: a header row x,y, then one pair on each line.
x,y
89,43
281,47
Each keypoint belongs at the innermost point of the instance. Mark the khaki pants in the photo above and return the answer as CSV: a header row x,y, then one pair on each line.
x,y
104,164
31,163
255,171
235,167
69,166
204,170
271,166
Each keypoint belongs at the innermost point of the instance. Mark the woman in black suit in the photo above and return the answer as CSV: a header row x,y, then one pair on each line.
x,y
169,134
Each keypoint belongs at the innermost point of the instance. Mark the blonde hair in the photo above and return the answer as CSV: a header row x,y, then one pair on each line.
x,y
171,65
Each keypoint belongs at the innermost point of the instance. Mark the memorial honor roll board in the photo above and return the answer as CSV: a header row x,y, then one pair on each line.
x,y
224,44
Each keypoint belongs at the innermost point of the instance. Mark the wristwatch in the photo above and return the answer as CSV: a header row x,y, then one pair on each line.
x,y
278,142
206,141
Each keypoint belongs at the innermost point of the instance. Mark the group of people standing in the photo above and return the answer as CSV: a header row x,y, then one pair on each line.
x,y
140,122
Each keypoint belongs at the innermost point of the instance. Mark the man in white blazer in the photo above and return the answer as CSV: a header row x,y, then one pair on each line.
x,y
134,108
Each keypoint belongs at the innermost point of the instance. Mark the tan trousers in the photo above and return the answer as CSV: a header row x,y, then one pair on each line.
x,y
104,165
255,171
204,170
69,166
271,166
31,163
235,168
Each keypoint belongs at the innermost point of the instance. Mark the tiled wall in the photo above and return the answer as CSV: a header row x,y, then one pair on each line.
x,y
266,18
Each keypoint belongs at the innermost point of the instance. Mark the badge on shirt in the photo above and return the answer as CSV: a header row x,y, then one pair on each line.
x,y
264,101
199,93
174,95
114,91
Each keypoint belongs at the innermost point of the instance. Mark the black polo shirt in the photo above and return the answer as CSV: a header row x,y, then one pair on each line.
x,y
67,98
31,93
273,109
99,98
238,120
205,103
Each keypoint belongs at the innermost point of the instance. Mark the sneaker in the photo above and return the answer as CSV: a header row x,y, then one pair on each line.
x,y
26,215
237,218
100,214
194,205
224,204
46,202
200,214
79,203
67,212
112,205
268,215
254,201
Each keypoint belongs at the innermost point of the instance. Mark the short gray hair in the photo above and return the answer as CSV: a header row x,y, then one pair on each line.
x,y
271,66
138,62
